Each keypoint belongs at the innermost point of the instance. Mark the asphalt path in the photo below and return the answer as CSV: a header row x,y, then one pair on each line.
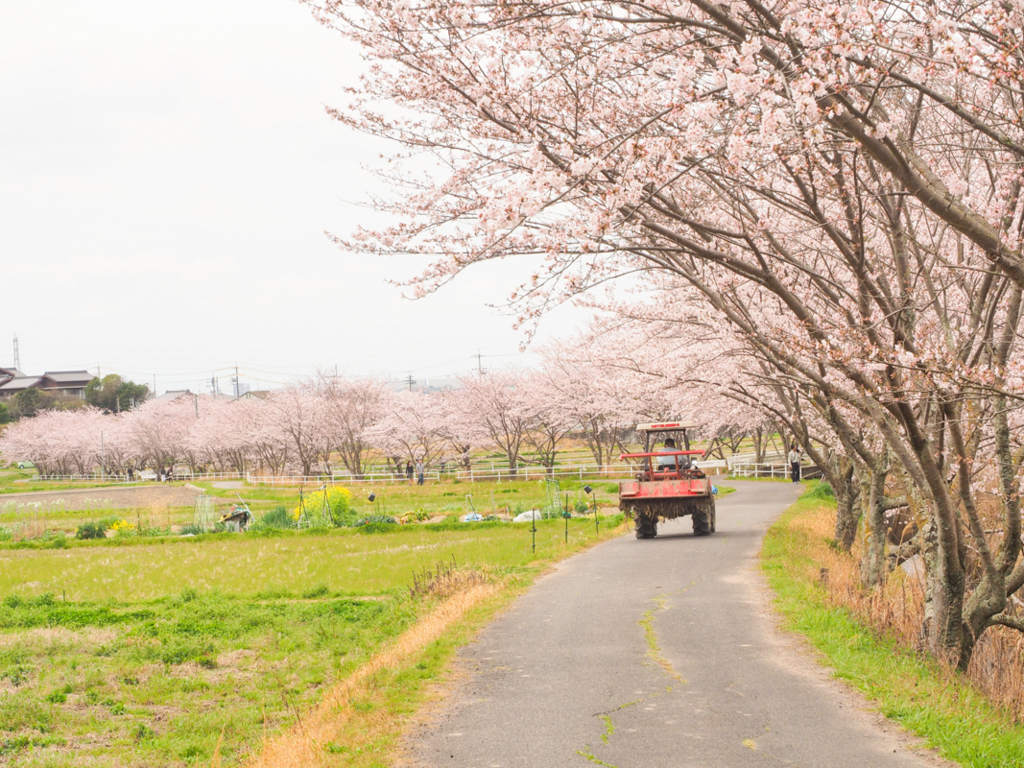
x,y
651,654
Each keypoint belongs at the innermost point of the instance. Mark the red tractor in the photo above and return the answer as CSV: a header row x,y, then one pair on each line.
x,y
668,484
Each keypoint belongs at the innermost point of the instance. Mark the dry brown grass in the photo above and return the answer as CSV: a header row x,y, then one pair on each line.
x,y
444,580
897,611
305,744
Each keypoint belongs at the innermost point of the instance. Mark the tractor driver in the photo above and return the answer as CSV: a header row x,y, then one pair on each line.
x,y
668,463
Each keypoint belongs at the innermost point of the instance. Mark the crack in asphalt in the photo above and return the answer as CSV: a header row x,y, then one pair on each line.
x,y
654,653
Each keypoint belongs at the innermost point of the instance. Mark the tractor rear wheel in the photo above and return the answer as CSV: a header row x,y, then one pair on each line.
x,y
646,527
704,517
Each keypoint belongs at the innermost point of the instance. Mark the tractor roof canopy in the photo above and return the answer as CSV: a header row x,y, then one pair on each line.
x,y
667,426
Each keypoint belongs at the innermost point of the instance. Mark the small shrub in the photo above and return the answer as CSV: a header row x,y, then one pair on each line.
x,y
316,591
279,518
92,530
377,524
16,673
123,528
377,528
6,534
180,651
332,506
822,490
415,516
581,507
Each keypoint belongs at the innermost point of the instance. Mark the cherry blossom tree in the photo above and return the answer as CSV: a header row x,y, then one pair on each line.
x,y
551,418
410,428
267,448
158,432
841,184
217,438
297,417
352,406
497,403
459,428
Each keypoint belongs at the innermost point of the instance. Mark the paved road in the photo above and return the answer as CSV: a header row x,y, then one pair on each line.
x,y
569,677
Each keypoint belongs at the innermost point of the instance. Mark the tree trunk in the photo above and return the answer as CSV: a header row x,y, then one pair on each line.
x,y
872,564
848,506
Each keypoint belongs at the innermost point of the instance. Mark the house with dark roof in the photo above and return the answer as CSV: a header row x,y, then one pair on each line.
x,y
67,383
6,374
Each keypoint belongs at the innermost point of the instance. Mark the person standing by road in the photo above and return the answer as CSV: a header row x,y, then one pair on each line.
x,y
408,471
419,472
794,459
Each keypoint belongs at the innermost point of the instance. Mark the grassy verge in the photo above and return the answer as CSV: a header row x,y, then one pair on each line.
x,y
161,652
928,699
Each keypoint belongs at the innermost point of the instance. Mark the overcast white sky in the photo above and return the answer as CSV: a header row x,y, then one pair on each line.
x,y
168,172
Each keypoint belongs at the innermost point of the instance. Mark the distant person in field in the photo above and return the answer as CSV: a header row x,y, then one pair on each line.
x,y
794,459
419,472
408,471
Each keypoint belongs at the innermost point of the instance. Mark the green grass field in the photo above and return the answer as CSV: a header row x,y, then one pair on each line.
x,y
149,651
434,498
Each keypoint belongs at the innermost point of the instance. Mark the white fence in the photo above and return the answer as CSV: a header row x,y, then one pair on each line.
x,y
782,471
107,477
478,473
738,459
93,478
493,473
474,475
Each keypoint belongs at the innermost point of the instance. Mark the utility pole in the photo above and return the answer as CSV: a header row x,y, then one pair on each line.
x,y
479,364
411,381
238,386
17,355
154,385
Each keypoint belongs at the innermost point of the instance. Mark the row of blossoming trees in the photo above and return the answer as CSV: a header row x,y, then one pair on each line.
x,y
823,199
307,428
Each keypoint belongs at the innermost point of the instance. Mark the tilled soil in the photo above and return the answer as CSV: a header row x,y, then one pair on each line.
x,y
155,495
